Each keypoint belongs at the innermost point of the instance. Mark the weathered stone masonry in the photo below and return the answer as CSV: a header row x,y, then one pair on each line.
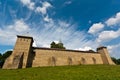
x,y
24,55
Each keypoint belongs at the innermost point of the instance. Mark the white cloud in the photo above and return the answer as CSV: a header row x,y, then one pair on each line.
x,y
28,3
53,31
86,48
25,2
43,9
96,28
31,6
8,33
47,19
67,2
108,35
64,23
18,26
113,20
34,44
45,33
114,50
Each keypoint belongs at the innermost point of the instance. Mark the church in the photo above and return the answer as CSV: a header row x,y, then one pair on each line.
x,y
25,55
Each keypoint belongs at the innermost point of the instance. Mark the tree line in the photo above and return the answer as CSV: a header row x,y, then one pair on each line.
x,y
3,57
115,60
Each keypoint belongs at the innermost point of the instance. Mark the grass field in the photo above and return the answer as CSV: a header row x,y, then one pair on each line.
x,y
82,72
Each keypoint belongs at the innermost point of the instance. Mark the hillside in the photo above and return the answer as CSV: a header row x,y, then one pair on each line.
x,y
82,72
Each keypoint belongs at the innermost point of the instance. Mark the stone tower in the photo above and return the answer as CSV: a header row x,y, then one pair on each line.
x,y
105,55
21,55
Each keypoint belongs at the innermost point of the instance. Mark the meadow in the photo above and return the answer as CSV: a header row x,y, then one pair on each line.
x,y
81,72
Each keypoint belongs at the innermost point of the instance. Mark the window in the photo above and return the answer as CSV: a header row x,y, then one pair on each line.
x,y
83,61
94,60
69,61
53,61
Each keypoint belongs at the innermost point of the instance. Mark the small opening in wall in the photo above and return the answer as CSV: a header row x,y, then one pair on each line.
x,y
83,61
69,61
20,39
94,60
53,60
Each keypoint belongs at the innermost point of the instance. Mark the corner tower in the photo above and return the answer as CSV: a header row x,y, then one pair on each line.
x,y
20,57
105,55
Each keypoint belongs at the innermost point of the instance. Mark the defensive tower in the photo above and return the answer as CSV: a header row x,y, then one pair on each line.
x,y
105,55
20,57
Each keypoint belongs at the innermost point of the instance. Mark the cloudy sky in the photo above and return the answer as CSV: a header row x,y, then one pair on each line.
x,y
80,24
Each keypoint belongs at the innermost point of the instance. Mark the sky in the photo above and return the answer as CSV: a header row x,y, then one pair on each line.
x,y
79,24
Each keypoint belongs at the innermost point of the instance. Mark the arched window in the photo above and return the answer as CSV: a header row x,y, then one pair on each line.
x,y
69,61
53,61
94,60
83,61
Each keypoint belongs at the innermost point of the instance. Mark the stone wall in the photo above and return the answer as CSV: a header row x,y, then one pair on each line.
x,y
49,57
24,55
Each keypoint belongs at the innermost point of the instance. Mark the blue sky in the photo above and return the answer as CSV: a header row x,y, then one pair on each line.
x,y
80,24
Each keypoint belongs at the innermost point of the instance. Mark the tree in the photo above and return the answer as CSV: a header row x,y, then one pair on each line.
x,y
0,56
116,61
4,57
53,45
58,45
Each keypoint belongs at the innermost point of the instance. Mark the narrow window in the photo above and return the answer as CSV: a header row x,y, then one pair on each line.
x,y
94,60
83,61
53,60
69,61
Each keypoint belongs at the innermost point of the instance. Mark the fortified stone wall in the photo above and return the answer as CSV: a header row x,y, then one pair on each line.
x,y
24,55
49,57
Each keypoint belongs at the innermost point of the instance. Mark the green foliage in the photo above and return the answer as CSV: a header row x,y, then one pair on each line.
x,y
4,56
82,72
59,45
0,56
116,61
53,45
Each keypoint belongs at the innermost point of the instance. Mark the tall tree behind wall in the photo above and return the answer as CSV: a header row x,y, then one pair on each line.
x,y
4,56
57,45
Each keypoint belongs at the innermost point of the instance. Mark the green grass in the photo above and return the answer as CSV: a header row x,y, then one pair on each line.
x,y
82,72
